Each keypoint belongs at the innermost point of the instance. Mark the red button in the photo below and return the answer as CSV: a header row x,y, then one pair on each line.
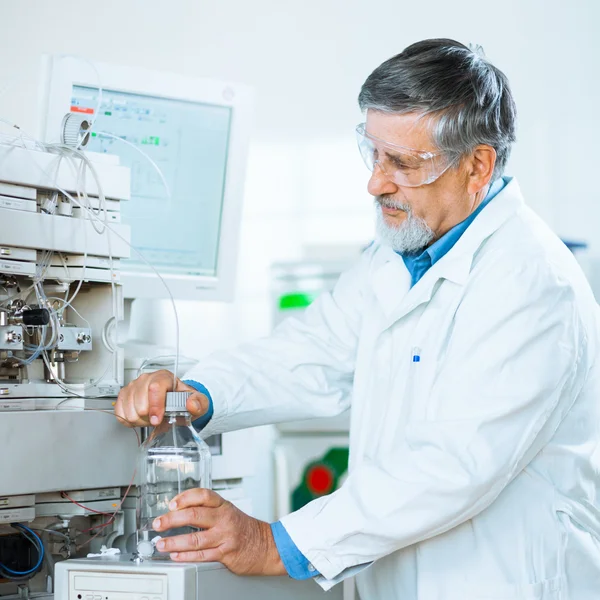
x,y
320,479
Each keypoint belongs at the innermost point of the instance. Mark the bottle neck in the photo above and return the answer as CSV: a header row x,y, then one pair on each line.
x,y
178,417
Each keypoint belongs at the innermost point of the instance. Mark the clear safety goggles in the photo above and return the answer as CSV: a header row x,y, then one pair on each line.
x,y
404,166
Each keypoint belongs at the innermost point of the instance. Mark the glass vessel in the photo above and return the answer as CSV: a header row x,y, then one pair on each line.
x,y
173,459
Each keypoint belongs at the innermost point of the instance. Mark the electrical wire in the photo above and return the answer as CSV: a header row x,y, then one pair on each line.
x,y
67,305
36,541
101,526
98,512
132,481
168,290
114,515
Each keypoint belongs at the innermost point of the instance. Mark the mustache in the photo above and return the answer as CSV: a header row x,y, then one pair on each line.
x,y
387,202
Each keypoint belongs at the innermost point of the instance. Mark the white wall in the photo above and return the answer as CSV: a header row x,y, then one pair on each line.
x,y
307,61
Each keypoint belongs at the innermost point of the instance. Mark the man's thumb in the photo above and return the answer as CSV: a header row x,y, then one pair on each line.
x,y
197,404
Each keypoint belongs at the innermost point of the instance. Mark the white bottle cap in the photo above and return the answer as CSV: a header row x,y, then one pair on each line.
x,y
176,401
145,548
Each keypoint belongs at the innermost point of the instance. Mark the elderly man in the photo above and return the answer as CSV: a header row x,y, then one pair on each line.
x,y
465,343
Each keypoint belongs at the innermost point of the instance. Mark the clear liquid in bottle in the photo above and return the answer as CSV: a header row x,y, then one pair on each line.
x,y
173,459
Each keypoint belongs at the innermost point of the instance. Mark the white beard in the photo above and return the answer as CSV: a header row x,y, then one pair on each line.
x,y
412,236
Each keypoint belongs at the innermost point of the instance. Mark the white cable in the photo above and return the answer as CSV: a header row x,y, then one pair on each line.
x,y
96,218
154,165
147,262
102,209
163,361
65,388
85,161
67,305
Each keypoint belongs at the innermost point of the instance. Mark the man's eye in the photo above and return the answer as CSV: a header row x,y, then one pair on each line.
x,y
398,164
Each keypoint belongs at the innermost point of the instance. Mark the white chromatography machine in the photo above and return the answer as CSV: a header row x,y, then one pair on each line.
x,y
134,193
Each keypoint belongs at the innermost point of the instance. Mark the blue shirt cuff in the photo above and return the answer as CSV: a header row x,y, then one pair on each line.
x,y
201,422
295,563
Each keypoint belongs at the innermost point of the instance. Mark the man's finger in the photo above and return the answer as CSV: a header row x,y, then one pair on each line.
x,y
208,555
196,497
119,412
196,516
198,540
160,383
131,414
123,420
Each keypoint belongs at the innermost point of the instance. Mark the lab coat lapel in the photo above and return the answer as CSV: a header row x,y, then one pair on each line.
x,y
391,279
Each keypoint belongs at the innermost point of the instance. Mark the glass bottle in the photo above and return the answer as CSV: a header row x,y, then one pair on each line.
x,y
173,459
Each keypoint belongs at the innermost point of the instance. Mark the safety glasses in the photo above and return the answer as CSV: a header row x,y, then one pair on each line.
x,y
404,166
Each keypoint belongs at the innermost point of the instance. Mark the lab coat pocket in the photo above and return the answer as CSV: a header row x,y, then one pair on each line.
x,y
549,589
419,386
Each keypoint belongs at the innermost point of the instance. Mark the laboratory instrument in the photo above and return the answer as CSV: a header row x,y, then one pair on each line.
x,y
74,220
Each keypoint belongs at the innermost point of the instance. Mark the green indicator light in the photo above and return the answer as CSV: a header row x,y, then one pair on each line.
x,y
108,113
296,300
94,134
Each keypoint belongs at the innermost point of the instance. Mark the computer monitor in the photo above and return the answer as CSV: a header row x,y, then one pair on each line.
x,y
197,132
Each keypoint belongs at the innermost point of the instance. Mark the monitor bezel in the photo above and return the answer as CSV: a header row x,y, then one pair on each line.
x,y
60,74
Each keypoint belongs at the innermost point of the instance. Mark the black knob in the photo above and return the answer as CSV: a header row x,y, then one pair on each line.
x,y
36,317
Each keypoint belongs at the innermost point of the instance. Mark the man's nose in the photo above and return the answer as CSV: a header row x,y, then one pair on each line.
x,y
379,183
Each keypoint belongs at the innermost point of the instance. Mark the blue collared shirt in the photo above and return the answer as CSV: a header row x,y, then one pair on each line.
x,y
295,563
419,265
201,422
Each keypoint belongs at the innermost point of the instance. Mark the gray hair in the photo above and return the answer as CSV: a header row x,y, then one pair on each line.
x,y
468,98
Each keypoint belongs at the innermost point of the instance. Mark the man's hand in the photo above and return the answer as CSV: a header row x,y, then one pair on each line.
x,y
142,402
243,544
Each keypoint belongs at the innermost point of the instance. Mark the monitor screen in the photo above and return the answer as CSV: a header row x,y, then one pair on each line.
x,y
189,142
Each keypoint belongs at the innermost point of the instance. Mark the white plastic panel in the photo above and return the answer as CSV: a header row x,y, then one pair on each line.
x,y
17,191
64,450
61,234
15,267
237,457
36,169
18,204
117,586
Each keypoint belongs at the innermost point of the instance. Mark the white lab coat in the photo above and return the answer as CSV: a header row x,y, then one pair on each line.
x,y
473,472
